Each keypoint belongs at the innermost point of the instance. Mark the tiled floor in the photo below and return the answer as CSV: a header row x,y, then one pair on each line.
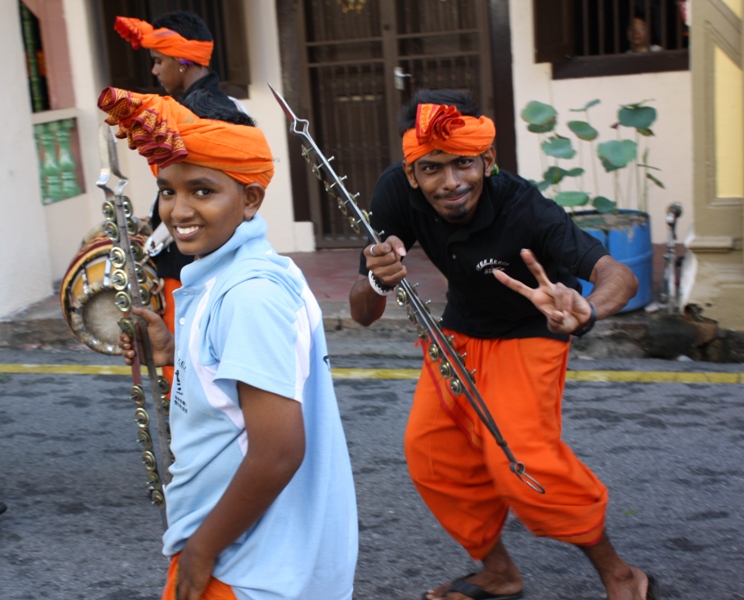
x,y
331,273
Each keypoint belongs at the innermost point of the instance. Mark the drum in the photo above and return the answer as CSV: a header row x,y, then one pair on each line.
x,y
87,293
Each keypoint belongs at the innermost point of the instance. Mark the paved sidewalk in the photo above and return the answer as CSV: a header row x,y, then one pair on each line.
x,y
331,273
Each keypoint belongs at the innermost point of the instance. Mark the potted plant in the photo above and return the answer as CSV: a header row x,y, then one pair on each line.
x,y
621,222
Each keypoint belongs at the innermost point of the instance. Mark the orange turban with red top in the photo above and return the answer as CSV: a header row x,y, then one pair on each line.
x,y
142,35
442,127
165,132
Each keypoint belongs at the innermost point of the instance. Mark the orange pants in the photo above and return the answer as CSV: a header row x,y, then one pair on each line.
x,y
216,590
463,475
169,316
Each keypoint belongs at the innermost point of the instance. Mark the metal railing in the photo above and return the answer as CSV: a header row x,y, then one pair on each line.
x,y
604,27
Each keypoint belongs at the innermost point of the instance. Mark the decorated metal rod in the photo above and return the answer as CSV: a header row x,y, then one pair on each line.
x,y
451,364
129,280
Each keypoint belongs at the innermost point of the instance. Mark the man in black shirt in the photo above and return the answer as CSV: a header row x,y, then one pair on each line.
x,y
511,258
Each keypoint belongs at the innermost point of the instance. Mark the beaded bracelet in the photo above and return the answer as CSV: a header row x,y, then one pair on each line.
x,y
380,288
587,327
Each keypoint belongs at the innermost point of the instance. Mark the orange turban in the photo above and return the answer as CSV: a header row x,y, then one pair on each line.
x,y
442,127
142,35
165,132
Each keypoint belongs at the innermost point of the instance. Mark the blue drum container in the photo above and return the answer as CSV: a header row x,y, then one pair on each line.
x,y
627,236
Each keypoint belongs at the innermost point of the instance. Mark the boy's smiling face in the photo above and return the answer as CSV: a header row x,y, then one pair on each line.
x,y
203,207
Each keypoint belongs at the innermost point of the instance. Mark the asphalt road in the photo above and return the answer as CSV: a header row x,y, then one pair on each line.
x,y
79,525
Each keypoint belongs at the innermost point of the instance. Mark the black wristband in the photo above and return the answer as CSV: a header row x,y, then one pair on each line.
x,y
587,327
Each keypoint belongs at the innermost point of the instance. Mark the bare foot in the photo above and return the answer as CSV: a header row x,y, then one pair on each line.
x,y
633,587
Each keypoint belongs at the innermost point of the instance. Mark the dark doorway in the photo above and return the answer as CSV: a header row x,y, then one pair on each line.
x,y
349,72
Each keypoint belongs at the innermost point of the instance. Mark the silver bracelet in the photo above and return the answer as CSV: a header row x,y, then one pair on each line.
x,y
379,288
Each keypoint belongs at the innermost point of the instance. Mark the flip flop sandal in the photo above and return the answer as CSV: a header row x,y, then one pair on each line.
x,y
478,593
653,592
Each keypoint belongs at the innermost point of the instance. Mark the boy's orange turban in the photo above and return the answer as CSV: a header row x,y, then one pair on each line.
x,y
442,127
165,132
142,35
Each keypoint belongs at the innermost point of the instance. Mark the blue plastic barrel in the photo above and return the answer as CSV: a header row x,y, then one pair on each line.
x,y
630,244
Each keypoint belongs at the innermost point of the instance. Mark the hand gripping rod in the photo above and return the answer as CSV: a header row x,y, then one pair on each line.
x,y
451,364
128,279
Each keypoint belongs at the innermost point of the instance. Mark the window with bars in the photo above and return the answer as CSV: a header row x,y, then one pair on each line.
x,y
585,38
131,69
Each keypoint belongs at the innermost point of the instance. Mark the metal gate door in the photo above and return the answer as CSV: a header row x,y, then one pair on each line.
x,y
362,59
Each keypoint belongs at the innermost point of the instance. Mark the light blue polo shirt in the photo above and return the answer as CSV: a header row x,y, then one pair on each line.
x,y
245,313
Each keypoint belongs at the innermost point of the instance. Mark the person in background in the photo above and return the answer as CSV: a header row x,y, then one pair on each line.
x,y
181,47
639,36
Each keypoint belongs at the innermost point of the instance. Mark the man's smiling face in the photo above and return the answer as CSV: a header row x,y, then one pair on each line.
x,y
452,184
203,207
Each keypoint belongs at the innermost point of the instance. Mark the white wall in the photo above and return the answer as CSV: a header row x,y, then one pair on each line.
x,y
24,251
263,39
670,149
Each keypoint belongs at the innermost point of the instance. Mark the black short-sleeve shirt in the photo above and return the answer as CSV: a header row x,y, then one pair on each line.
x,y
511,215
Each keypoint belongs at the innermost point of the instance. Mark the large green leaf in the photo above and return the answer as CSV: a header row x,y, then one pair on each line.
x,y
572,198
603,205
616,154
559,147
639,117
583,130
538,113
554,175
541,128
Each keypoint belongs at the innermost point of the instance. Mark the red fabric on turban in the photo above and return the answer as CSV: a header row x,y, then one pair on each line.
x,y
442,127
165,132
142,35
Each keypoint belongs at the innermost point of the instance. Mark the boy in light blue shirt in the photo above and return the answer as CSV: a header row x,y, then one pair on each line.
x,y
261,505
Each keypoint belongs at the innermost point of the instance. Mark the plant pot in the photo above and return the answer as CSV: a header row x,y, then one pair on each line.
x,y
627,236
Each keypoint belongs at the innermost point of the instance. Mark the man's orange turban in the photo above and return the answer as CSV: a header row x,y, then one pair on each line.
x,y
442,127
142,35
165,132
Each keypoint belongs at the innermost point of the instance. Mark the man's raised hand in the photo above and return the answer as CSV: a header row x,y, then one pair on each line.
x,y
565,309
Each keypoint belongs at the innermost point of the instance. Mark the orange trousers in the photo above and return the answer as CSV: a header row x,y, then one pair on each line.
x,y
216,590
169,316
463,475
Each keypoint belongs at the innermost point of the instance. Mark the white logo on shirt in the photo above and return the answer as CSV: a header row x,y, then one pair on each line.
x,y
489,265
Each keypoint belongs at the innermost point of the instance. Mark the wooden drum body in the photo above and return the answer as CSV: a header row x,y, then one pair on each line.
x,y
90,287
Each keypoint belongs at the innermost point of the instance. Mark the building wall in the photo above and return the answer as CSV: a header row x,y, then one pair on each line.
x,y
670,149
48,237
714,275
24,251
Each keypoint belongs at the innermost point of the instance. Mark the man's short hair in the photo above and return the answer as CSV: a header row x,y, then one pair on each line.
x,y
201,102
187,24
460,99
